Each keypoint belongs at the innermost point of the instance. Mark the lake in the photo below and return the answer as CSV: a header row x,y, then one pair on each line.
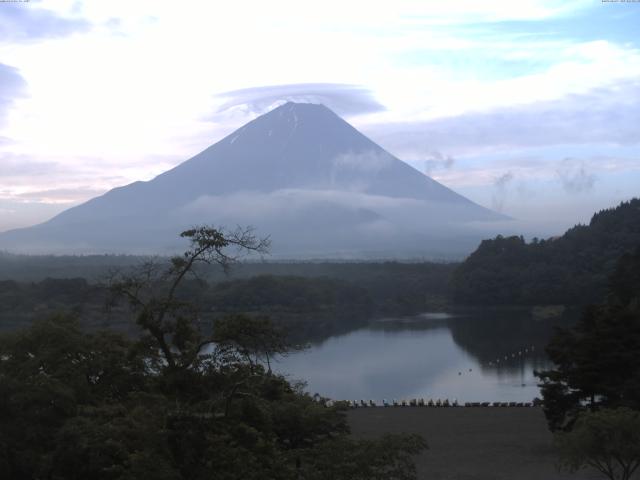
x,y
468,356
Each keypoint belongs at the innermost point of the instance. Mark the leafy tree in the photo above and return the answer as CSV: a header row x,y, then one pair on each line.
x,y
153,291
48,373
596,362
255,338
180,402
607,440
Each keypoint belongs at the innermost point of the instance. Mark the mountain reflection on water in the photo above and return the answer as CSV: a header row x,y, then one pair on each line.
x,y
480,355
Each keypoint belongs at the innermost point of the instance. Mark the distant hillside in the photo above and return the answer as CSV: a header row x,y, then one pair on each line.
x,y
571,269
34,268
311,300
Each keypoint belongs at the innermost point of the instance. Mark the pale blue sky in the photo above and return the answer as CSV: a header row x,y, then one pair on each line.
x,y
529,107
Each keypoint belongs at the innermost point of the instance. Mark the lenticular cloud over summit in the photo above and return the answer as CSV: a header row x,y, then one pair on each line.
x,y
300,174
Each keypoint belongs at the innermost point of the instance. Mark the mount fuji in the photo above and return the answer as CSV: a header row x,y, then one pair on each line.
x,y
300,174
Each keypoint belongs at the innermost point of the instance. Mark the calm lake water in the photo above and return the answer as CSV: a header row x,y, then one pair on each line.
x,y
479,356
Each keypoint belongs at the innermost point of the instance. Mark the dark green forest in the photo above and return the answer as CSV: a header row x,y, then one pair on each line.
x,y
75,405
315,299
568,270
186,398
597,362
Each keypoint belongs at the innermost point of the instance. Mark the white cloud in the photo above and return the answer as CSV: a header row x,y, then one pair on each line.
x,y
437,160
142,92
128,94
608,114
256,206
55,180
575,176
29,23
372,162
342,99
13,88
500,190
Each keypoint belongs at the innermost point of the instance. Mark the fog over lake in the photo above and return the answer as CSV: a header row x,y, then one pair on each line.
x,y
459,356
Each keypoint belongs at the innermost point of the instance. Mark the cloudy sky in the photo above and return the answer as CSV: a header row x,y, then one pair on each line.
x,y
530,107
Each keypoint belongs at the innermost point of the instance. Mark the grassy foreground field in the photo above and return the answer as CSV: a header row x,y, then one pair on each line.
x,y
472,443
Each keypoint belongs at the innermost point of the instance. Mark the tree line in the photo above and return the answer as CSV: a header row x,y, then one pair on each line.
x,y
314,303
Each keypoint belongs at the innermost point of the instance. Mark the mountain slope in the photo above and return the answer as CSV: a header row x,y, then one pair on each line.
x,y
299,173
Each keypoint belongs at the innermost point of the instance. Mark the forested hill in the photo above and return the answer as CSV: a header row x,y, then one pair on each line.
x,y
571,269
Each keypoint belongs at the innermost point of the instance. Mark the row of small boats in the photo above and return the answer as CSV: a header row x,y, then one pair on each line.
x,y
438,403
